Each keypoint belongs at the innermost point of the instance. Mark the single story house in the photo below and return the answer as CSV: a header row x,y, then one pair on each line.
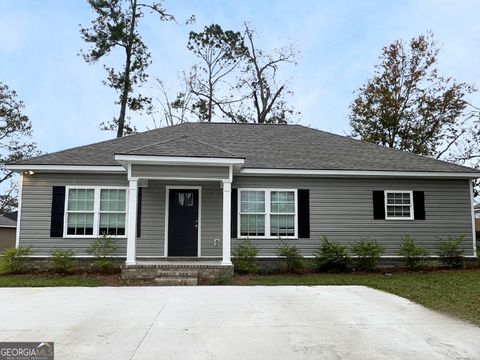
x,y
8,228
196,190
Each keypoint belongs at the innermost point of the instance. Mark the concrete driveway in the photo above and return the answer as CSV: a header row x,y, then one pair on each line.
x,y
318,322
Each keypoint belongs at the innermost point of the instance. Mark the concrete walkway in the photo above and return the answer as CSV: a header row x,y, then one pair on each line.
x,y
319,322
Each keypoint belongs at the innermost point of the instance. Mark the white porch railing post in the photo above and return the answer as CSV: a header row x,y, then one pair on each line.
x,y
132,221
227,204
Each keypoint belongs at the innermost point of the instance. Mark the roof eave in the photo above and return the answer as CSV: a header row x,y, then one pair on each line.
x,y
356,173
177,160
19,168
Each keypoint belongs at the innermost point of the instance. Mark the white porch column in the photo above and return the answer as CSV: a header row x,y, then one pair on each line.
x,y
132,221
227,204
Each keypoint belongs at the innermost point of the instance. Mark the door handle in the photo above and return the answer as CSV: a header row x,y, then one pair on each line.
x,y
196,223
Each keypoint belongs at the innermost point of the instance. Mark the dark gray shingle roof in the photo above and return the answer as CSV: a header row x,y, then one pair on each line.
x,y
13,215
262,146
180,146
7,222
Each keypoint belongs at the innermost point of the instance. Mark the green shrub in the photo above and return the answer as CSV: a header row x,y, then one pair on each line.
x,y
450,252
478,251
15,260
244,257
331,256
411,253
103,249
292,257
62,260
368,254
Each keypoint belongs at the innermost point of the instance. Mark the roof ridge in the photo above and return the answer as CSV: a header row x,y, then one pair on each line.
x,y
183,136
239,123
156,143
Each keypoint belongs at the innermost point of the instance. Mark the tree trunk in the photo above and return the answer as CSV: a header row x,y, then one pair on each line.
x,y
210,95
126,84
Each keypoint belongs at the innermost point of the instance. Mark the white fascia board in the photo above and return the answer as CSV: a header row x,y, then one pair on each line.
x,y
354,173
177,160
67,168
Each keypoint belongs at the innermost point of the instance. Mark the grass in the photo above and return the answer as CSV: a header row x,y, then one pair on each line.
x,y
454,292
88,279
35,280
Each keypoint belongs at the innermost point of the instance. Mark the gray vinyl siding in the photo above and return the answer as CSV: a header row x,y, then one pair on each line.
x,y
152,240
177,171
342,209
37,205
212,216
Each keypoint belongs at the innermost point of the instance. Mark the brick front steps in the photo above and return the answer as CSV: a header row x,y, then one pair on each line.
x,y
177,271
177,277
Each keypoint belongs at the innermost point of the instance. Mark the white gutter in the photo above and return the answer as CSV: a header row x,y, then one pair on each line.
x,y
175,160
354,173
67,168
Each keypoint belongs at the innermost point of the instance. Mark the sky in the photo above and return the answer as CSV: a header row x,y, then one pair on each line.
x,y
339,44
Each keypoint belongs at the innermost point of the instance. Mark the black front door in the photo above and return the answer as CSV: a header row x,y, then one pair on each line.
x,y
183,222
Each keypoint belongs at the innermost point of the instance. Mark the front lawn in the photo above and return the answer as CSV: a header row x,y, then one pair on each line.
x,y
454,292
36,280
89,279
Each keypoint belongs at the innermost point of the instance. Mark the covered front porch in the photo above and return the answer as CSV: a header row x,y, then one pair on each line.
x,y
178,212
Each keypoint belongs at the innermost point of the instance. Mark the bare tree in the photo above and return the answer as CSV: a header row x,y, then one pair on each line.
x,y
173,112
220,52
467,151
233,79
261,76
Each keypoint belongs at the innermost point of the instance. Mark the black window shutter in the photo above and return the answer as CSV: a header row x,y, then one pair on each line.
x,y
419,205
139,212
379,205
303,213
58,210
233,217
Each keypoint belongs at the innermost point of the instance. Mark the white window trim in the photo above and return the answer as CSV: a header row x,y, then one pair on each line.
x,y
96,211
410,192
267,213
